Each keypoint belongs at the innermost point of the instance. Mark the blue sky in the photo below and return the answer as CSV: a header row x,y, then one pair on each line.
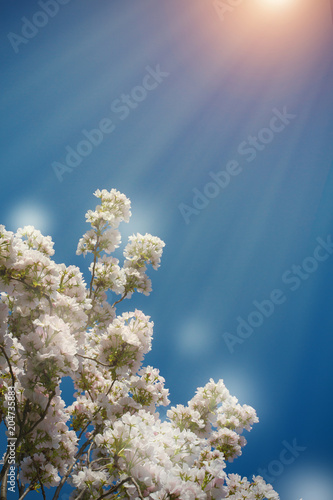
x,y
248,99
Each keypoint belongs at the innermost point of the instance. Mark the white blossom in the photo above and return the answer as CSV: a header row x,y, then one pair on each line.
x,y
111,438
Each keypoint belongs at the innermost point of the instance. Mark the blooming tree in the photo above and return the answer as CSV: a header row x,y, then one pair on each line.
x,y
110,443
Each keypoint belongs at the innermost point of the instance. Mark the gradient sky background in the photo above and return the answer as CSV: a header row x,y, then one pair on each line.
x,y
225,79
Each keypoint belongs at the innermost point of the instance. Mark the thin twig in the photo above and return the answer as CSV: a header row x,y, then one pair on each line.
x,y
112,384
77,456
137,488
43,294
42,488
115,487
9,365
122,298
92,359
82,492
43,415
13,382
94,266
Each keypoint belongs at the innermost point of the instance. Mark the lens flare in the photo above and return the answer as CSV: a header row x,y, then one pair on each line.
x,y
307,482
29,213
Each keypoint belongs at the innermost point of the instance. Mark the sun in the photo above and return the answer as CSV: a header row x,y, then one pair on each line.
x,y
277,3
281,7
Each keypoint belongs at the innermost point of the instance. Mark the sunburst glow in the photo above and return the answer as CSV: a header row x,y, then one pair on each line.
x,y
277,3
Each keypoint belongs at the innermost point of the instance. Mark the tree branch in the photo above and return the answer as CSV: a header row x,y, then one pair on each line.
x,y
9,365
3,490
42,417
137,488
43,294
82,492
31,487
77,456
122,298
92,359
115,487
94,266
13,382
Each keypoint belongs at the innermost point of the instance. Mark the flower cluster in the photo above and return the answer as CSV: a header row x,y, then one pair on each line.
x,y
242,488
110,442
